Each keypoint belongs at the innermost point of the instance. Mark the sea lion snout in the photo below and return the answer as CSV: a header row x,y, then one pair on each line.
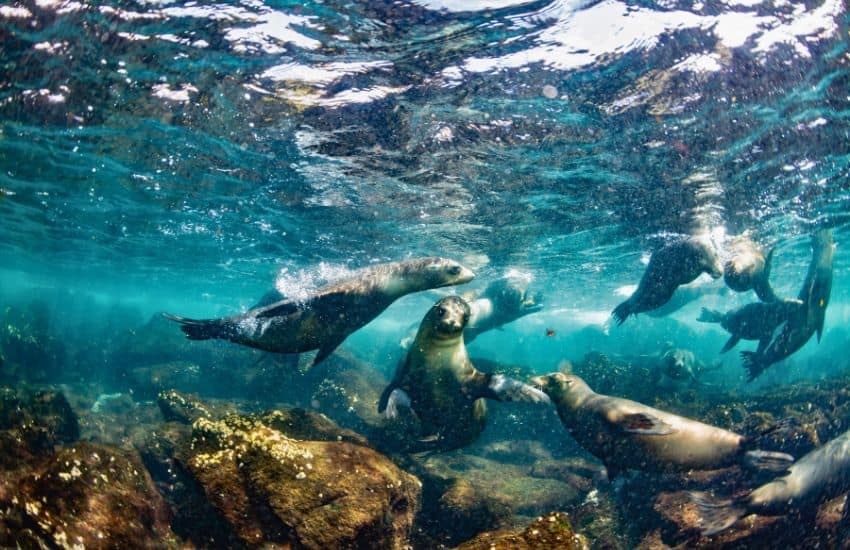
x,y
450,315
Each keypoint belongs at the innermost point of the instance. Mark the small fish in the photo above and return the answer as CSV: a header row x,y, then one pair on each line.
x,y
550,332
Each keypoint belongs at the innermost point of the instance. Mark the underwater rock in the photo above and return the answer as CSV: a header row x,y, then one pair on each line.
x,y
268,488
176,407
30,351
311,426
184,376
32,424
87,495
550,531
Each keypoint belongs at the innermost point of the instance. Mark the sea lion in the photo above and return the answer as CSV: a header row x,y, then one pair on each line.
x,y
677,367
749,269
798,328
441,387
324,319
686,294
674,264
820,475
756,321
503,301
625,434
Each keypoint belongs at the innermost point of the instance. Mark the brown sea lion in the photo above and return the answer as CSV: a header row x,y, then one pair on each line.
x,y
441,387
674,264
749,269
820,475
798,328
756,321
625,434
324,319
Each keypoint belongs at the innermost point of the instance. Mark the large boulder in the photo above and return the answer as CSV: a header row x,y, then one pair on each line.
x,y
272,489
86,495
550,531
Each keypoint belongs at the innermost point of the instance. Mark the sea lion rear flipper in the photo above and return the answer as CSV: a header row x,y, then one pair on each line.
x,y
750,361
768,460
644,424
733,340
504,388
717,515
202,329
622,312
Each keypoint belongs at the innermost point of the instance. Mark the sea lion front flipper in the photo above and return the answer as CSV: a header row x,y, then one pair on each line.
x,y
504,388
761,286
768,460
326,349
397,398
731,343
644,424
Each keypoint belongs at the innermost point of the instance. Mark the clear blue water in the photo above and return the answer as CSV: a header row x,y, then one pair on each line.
x,y
184,156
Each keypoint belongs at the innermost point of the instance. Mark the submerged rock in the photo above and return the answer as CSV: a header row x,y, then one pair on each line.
x,y
550,531
270,488
31,425
86,495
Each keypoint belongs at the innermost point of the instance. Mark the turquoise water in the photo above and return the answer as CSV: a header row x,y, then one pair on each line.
x,y
188,157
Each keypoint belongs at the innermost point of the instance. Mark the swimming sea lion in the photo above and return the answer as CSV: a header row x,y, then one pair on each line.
x,y
677,367
749,269
439,384
796,330
686,294
326,318
625,434
674,264
503,301
756,321
820,475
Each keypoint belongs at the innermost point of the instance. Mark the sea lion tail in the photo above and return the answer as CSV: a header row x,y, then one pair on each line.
x,y
768,460
709,316
717,515
199,329
750,361
622,312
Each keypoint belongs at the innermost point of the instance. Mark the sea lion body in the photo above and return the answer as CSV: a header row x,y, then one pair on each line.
x,y
441,386
756,321
674,264
503,301
326,318
625,434
820,475
749,269
805,321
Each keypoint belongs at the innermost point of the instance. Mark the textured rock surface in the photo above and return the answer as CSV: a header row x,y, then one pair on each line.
x,y
86,495
548,532
270,488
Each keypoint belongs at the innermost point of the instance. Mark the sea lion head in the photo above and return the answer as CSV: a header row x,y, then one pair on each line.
x,y
706,253
563,389
447,318
435,272
744,267
678,364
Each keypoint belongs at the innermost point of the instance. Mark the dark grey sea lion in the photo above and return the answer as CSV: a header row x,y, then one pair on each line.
x,y
441,387
674,264
749,269
798,328
686,294
756,321
324,319
818,476
625,434
503,301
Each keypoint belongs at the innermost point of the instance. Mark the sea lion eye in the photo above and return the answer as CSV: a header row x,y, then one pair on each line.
x,y
454,270
441,311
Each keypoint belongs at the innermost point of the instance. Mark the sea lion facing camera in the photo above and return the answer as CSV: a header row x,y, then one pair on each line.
x,y
625,434
442,388
324,319
674,264
749,269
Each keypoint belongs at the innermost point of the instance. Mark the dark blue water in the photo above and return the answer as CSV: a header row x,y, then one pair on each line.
x,y
188,157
